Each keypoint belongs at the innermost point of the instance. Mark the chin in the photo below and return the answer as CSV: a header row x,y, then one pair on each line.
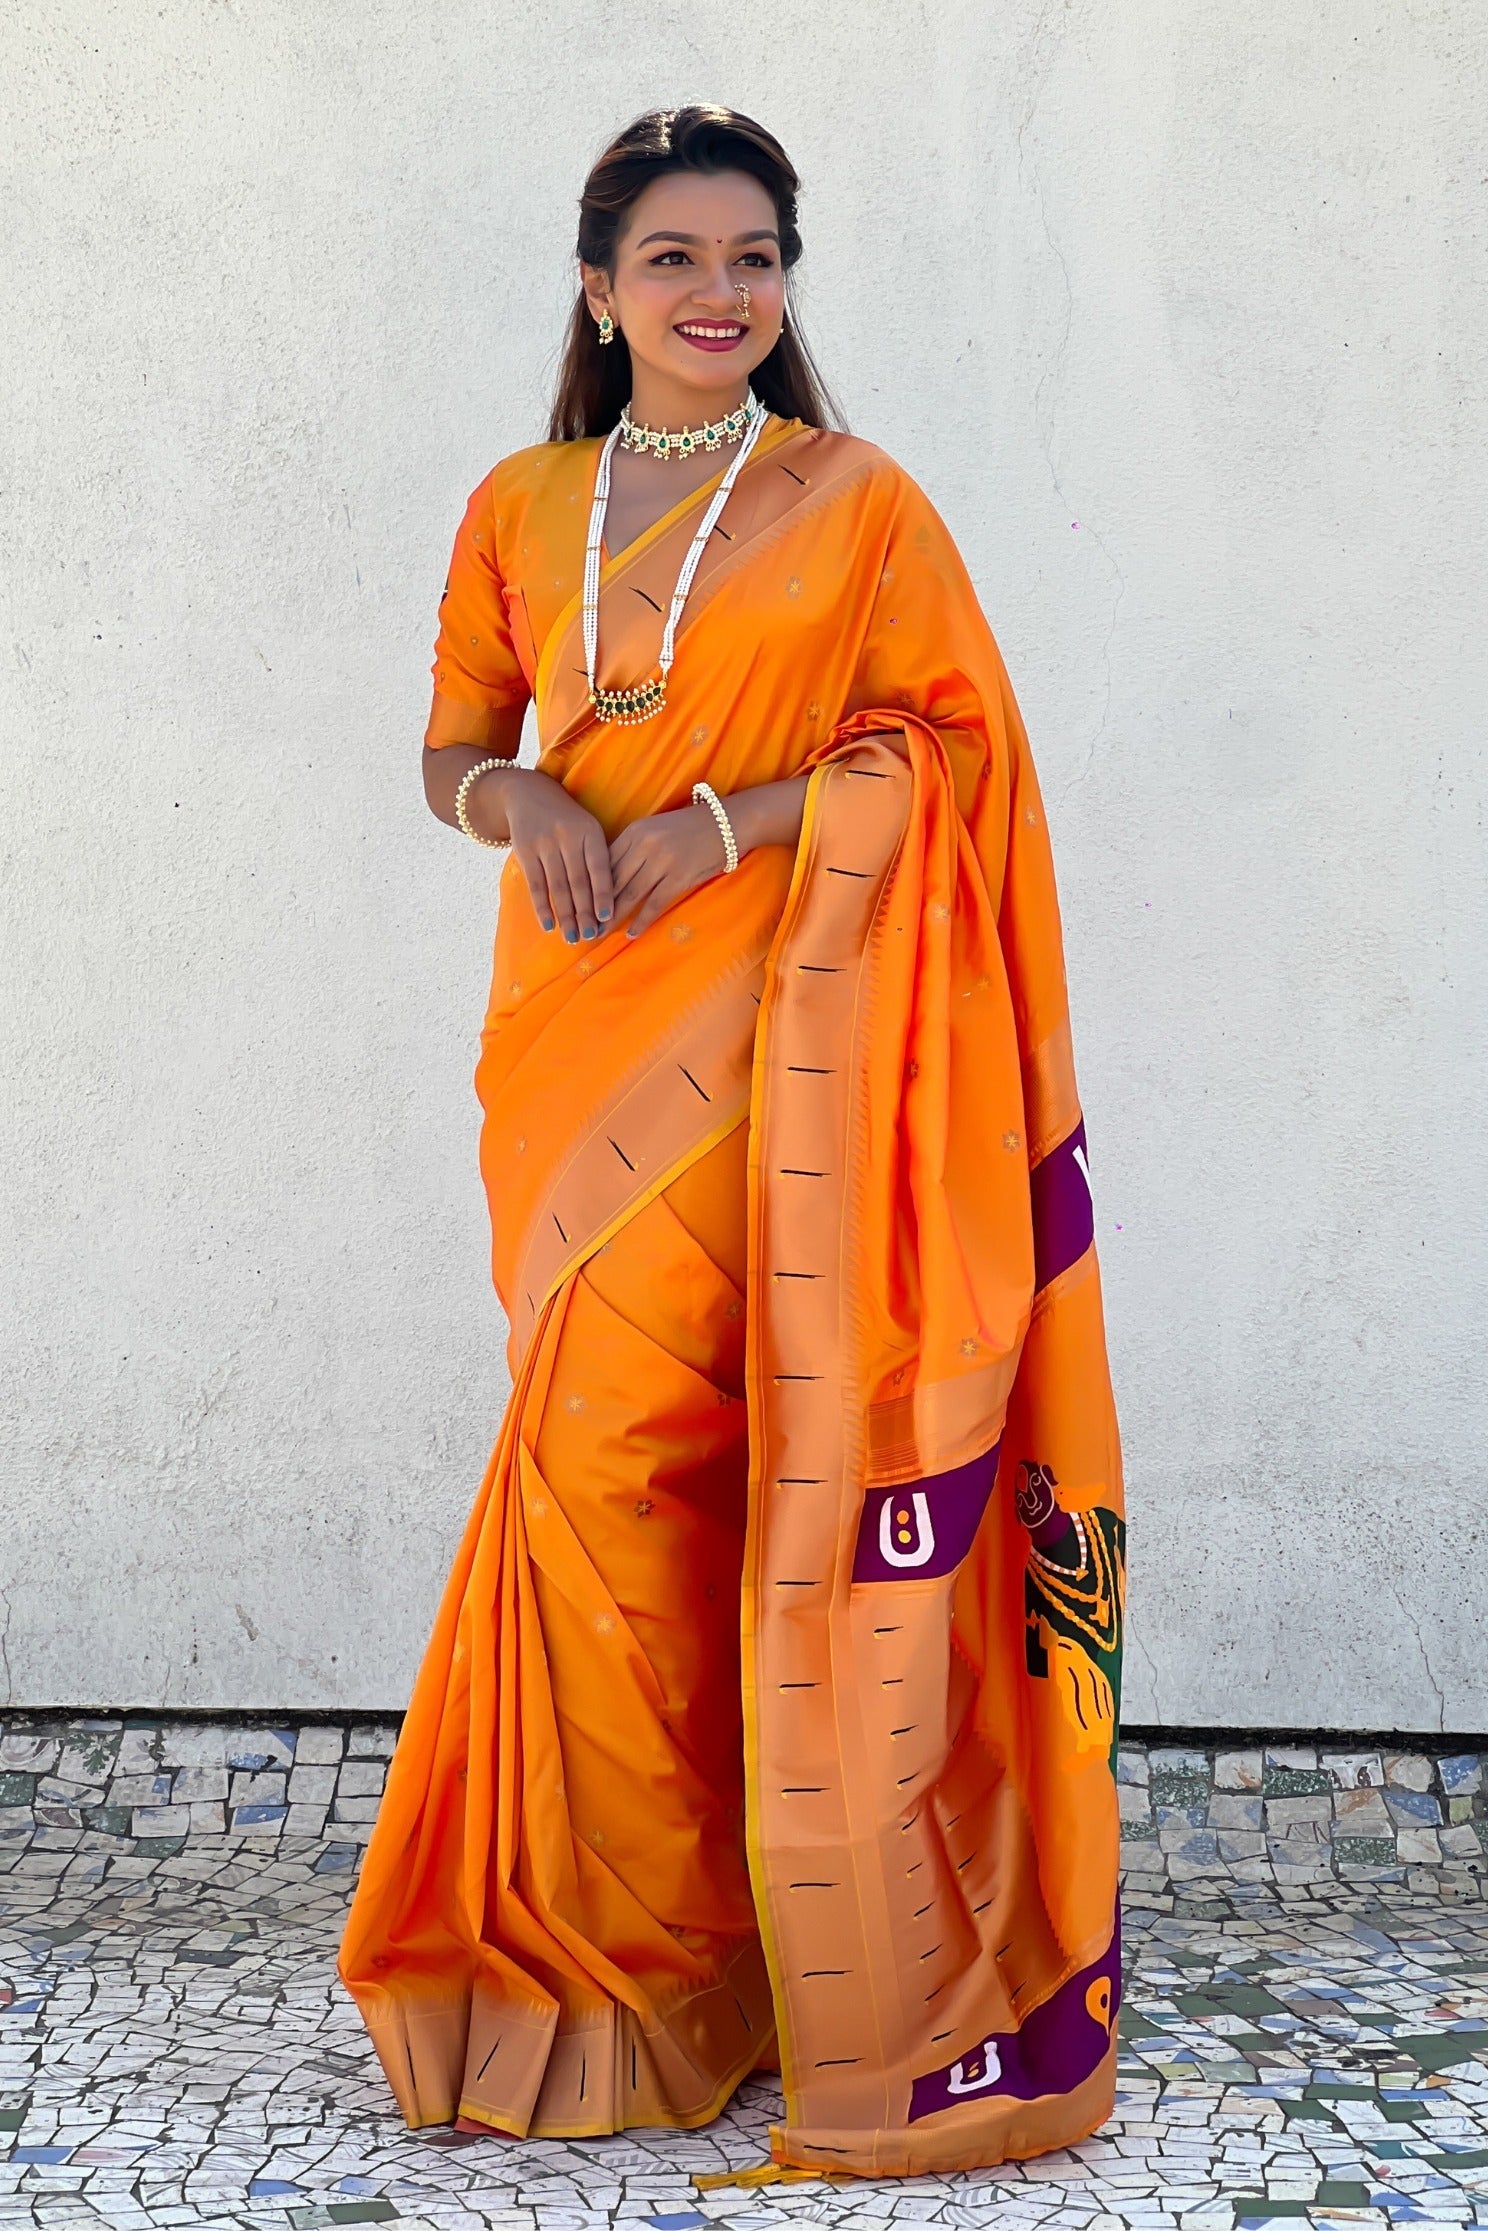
x,y
700,368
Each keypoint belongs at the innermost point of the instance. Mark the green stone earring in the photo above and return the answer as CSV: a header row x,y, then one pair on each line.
x,y
606,329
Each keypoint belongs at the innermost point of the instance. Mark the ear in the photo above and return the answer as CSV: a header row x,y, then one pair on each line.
x,y
596,290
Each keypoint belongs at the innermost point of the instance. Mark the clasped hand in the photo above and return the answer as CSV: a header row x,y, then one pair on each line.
x,y
583,885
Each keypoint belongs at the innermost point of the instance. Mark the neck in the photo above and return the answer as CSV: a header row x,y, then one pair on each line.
x,y
657,400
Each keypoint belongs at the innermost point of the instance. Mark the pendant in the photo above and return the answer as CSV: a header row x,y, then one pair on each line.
x,y
629,706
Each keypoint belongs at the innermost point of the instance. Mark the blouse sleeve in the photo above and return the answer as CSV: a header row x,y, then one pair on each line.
x,y
477,672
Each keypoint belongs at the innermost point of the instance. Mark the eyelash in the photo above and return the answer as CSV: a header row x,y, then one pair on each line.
x,y
753,256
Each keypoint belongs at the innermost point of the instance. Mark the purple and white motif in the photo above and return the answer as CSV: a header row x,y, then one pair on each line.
x,y
1060,2044
923,1530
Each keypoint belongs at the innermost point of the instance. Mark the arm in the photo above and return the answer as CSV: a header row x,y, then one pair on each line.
x,y
480,698
446,768
658,860
559,846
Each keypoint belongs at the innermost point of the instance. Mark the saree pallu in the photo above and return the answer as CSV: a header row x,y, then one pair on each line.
x,y
771,1706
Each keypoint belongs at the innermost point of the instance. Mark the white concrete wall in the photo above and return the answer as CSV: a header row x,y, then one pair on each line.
x,y
1178,310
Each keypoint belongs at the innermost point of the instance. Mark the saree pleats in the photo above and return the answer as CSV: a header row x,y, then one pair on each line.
x,y
771,1706
593,1824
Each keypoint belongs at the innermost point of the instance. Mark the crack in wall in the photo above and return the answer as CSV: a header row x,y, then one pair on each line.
x,y
1132,1639
1436,1688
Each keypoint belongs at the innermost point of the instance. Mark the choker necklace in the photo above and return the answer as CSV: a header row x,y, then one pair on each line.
x,y
645,698
646,441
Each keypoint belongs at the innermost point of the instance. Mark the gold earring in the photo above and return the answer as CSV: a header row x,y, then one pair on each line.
x,y
743,293
606,330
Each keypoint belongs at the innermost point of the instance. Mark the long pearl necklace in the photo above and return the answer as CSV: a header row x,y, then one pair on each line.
x,y
642,699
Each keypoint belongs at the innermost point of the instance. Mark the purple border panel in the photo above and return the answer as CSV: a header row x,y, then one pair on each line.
x,y
1062,2043
923,1530
1063,1219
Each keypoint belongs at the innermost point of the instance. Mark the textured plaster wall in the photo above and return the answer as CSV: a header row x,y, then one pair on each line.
x,y
1179,312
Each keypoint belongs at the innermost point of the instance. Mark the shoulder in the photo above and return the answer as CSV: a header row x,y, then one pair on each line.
x,y
545,465
887,486
531,476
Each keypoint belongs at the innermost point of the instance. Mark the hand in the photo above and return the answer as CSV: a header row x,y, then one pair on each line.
x,y
657,861
560,848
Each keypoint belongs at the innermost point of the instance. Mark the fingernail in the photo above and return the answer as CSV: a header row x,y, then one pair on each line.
x,y
570,937
588,933
605,912
547,922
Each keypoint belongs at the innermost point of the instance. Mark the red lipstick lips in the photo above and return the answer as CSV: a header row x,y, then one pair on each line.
x,y
715,340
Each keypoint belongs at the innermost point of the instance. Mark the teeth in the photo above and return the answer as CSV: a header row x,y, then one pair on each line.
x,y
712,332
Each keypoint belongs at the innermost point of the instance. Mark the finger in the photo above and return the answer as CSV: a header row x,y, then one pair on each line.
x,y
537,886
662,894
634,878
601,882
623,854
576,866
561,896
638,887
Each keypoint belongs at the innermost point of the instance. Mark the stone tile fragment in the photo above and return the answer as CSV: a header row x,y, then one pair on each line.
x,y
249,1788
252,1749
362,1778
1238,1770
1408,1770
1412,1807
320,1746
139,1750
1234,1810
371,1740
31,1754
1353,1769
199,1785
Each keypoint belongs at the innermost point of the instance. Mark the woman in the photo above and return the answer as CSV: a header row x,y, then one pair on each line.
x,y
792,1227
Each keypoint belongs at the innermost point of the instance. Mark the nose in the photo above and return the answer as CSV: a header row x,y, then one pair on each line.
x,y
715,290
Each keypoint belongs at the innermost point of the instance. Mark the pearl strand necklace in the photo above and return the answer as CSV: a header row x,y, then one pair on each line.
x,y
642,699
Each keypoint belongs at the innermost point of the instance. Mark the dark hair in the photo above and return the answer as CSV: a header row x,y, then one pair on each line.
x,y
593,382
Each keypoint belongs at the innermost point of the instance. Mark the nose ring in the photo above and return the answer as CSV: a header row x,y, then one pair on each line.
x,y
743,294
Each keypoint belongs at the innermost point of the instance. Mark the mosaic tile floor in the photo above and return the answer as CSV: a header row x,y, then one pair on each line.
x,y
1288,1815
174,2050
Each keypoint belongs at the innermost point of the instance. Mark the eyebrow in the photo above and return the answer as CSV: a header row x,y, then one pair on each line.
x,y
697,239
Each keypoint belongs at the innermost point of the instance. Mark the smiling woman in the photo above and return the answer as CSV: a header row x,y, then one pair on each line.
x,y
770,1711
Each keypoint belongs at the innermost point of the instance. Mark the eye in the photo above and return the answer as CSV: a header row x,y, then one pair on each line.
x,y
672,255
758,258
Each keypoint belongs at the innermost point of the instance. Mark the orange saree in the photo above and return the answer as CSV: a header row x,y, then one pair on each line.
x,y
771,1705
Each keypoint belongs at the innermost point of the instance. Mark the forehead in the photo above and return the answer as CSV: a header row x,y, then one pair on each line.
x,y
717,205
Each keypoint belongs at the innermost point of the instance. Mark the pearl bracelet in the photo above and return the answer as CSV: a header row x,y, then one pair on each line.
x,y
471,776
703,794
